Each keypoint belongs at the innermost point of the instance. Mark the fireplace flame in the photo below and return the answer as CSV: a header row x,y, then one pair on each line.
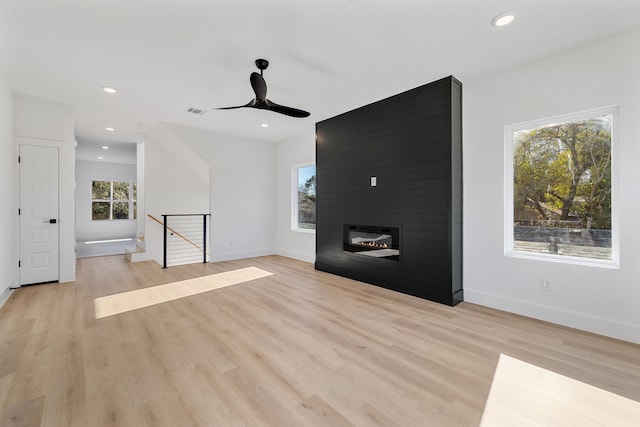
x,y
373,245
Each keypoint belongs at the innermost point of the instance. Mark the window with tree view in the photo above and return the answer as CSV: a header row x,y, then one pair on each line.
x,y
304,212
562,187
112,200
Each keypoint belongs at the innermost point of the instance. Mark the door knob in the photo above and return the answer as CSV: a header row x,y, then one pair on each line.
x,y
50,221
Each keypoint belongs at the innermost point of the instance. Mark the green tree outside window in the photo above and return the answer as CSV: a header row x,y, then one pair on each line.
x,y
111,200
562,188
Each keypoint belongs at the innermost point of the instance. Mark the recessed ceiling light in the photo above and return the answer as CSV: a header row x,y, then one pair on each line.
x,y
265,125
503,19
105,147
109,89
100,157
109,129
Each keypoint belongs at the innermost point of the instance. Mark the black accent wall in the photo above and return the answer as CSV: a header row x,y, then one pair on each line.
x,y
412,144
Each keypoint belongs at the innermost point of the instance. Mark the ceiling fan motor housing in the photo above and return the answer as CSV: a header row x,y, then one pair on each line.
x,y
262,64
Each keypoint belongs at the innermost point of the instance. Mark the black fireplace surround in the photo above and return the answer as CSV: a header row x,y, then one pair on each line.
x,y
390,173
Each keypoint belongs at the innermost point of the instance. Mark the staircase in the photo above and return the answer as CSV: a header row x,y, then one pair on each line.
x,y
137,252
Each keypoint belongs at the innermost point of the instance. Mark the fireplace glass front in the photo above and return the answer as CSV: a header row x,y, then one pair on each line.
x,y
373,241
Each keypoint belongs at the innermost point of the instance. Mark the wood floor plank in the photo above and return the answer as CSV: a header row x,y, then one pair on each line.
x,y
372,416
110,408
27,413
298,348
5,385
316,411
14,341
167,411
33,372
65,400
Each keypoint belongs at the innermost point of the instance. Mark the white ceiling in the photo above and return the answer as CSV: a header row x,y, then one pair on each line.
x,y
119,152
327,57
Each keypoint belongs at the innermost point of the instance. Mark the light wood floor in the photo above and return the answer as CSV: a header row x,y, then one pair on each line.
x,y
298,348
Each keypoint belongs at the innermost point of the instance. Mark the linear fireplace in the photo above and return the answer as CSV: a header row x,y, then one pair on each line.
x,y
373,241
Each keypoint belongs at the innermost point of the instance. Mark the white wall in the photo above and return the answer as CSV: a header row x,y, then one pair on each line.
x,y
601,300
290,153
141,189
175,183
8,190
86,173
46,123
42,119
242,191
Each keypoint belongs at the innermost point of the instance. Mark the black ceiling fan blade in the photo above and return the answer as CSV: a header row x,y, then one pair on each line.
x,y
288,111
251,103
259,86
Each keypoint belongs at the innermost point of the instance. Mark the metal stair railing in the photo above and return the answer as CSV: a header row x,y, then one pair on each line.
x,y
184,238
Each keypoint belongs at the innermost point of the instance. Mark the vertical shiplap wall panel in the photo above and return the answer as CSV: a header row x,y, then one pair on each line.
x,y
412,143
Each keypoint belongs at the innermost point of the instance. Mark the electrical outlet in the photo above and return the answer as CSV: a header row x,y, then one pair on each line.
x,y
546,284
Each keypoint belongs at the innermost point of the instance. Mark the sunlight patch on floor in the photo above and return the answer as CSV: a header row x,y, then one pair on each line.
x,y
527,395
140,298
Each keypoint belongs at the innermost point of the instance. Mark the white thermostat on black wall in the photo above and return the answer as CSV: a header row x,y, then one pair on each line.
x,y
374,181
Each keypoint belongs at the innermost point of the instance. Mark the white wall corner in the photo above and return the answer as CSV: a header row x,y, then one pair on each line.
x,y
140,179
42,119
170,168
300,256
153,240
289,153
4,296
180,151
9,190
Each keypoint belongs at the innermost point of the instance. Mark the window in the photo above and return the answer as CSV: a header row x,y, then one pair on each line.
x,y
304,198
113,200
560,188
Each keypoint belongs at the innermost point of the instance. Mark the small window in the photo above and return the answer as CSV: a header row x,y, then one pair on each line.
x,y
304,198
560,188
111,200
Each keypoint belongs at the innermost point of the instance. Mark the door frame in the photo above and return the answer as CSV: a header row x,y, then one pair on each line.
x,y
66,203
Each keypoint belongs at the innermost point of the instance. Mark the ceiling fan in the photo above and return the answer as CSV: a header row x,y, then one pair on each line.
x,y
260,101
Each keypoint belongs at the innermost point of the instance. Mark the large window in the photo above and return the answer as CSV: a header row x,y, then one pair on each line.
x,y
560,188
304,198
112,200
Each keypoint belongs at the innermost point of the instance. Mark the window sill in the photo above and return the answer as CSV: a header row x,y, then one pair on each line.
x,y
304,230
564,259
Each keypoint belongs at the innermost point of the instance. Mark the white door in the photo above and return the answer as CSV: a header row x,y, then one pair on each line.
x,y
38,214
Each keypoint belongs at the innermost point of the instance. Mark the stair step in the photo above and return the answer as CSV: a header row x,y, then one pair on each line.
x,y
136,253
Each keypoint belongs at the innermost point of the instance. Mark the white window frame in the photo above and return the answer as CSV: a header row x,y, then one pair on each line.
x,y
131,201
509,131
294,198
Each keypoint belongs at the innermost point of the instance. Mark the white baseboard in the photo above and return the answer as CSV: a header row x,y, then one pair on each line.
x,y
68,275
230,256
585,322
297,255
4,296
